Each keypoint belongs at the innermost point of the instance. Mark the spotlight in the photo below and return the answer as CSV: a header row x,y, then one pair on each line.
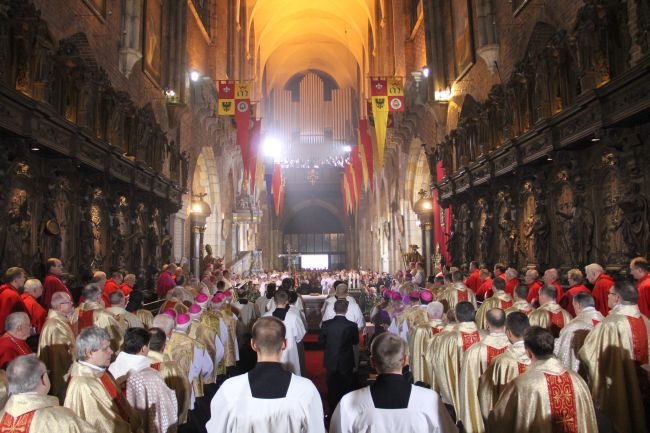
x,y
426,71
194,76
347,148
35,148
271,146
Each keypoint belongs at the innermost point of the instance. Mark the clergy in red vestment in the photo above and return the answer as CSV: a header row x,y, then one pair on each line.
x,y
547,397
12,343
474,279
613,354
552,277
10,294
575,286
639,268
166,281
602,283
533,282
37,314
112,284
511,280
485,289
52,282
500,270
127,285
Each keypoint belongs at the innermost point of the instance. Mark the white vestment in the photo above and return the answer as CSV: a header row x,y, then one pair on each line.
x,y
234,409
295,333
425,414
353,314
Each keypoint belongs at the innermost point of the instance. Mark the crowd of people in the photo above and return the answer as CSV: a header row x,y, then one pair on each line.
x,y
474,351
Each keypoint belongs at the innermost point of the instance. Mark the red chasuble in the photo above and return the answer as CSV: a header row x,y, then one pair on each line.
x,y
20,424
473,281
11,348
493,352
506,304
86,320
639,339
470,339
563,403
557,323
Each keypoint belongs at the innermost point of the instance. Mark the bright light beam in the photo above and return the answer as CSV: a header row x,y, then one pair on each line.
x,y
271,147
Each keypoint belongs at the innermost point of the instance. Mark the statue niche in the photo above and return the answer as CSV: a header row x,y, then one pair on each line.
x,y
17,240
527,224
485,231
507,237
564,224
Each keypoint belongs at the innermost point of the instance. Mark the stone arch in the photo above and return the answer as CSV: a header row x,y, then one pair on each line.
x,y
206,181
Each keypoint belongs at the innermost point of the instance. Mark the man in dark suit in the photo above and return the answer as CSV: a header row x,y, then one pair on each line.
x,y
338,337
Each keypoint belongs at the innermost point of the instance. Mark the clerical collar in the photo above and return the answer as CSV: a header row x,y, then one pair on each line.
x,y
588,309
91,366
269,380
497,334
518,343
390,391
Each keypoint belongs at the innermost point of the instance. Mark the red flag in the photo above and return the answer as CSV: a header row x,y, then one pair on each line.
x,y
366,141
254,149
355,160
276,187
349,177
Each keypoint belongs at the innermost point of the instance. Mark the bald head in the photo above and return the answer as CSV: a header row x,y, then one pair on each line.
x,y
268,336
496,320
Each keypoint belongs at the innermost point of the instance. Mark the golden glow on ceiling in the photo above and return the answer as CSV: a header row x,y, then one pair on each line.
x,y
296,35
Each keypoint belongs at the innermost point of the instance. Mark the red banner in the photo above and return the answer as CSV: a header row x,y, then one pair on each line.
x,y
276,187
254,150
441,228
243,120
366,141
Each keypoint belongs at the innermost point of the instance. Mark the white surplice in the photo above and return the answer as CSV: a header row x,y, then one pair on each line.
x,y
425,414
234,409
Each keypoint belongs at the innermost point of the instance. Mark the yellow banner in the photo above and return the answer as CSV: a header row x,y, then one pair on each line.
x,y
381,123
226,107
243,90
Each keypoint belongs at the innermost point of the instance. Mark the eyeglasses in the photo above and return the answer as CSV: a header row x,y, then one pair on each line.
x,y
612,293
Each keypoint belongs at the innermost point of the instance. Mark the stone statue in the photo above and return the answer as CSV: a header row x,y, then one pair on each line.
x,y
467,230
583,231
565,220
635,221
541,236
153,237
508,236
413,255
208,259
166,246
485,231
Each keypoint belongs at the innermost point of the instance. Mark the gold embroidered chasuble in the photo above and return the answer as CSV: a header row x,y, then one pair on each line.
x,y
612,354
56,348
25,413
175,379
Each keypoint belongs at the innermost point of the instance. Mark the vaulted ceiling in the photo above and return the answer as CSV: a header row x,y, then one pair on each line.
x,y
297,35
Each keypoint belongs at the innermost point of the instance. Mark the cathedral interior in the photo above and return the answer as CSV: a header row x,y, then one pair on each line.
x,y
520,136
